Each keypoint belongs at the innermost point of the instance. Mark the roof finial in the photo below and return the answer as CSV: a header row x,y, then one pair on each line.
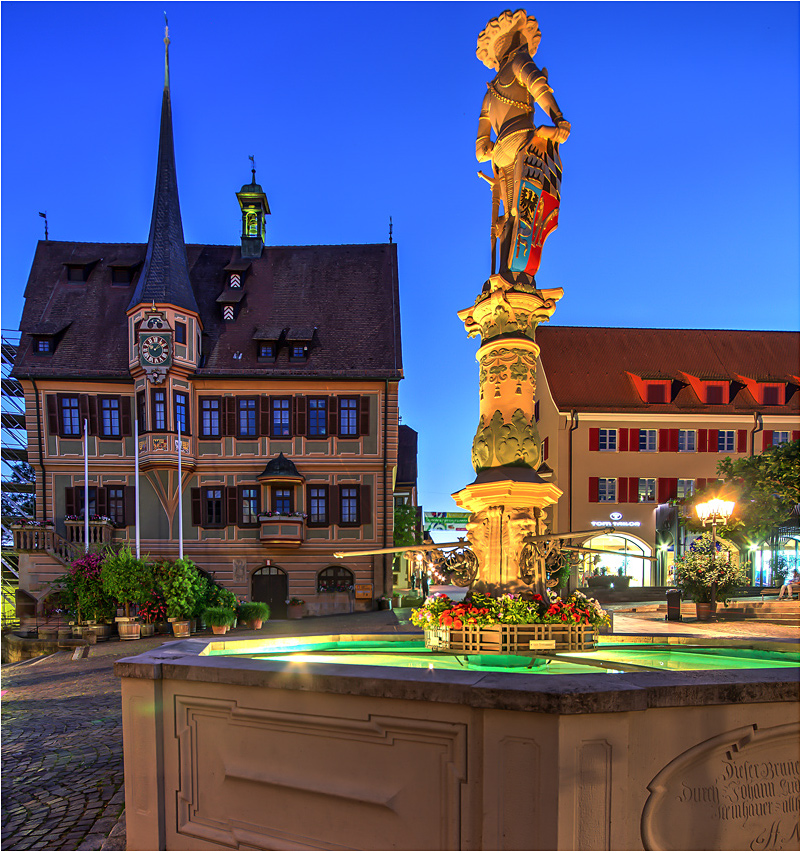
x,y
166,54
391,229
251,157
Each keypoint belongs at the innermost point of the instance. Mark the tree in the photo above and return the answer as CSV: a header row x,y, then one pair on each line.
x,y
765,489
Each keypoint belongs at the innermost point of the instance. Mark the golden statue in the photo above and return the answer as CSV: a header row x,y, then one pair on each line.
x,y
526,159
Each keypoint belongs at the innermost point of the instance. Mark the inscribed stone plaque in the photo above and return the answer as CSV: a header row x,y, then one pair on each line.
x,y
736,791
239,570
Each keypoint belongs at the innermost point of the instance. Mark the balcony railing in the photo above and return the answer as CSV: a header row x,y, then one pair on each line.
x,y
100,532
160,450
281,530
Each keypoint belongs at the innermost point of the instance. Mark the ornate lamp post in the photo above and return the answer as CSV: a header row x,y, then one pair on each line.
x,y
713,512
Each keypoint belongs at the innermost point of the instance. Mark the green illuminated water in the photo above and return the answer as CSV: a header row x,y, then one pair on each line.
x,y
412,654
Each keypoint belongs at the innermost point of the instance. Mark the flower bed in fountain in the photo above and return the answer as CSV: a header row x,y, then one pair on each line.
x,y
510,624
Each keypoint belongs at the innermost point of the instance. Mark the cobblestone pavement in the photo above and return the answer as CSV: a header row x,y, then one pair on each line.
x,y
62,759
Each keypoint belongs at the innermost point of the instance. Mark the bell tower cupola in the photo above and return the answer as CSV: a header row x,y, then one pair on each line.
x,y
254,206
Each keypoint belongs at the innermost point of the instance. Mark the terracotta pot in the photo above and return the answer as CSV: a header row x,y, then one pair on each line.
x,y
219,629
704,612
295,611
255,624
126,630
181,628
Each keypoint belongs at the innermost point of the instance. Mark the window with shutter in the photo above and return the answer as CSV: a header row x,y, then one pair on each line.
x,y
607,490
317,417
248,506
212,508
280,417
317,502
209,417
110,426
349,506
348,412
246,417
70,417
51,403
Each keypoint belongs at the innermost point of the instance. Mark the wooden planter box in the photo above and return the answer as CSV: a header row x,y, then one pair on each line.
x,y
510,639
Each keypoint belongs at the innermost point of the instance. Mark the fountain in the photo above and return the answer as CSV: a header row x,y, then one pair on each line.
x,y
375,742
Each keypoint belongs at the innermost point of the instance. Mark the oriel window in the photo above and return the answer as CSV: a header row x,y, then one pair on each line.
x,y
181,419
282,500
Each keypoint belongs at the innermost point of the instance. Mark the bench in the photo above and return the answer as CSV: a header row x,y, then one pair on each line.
x,y
775,591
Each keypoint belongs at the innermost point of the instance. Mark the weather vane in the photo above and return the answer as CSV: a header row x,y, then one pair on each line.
x,y
252,158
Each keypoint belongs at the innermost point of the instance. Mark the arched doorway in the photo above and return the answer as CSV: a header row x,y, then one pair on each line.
x,y
270,585
624,555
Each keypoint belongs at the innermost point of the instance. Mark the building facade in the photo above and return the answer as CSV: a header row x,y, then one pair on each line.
x,y
244,398
630,419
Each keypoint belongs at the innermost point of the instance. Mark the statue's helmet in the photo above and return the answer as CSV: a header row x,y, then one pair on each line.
x,y
495,39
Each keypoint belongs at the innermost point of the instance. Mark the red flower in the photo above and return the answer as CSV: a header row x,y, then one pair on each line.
x,y
457,624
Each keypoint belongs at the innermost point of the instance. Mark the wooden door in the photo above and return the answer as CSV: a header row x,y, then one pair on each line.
x,y
270,585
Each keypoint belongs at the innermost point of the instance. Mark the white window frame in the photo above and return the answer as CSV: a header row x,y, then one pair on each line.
x,y
685,488
647,490
726,441
686,442
607,487
774,439
647,441
608,439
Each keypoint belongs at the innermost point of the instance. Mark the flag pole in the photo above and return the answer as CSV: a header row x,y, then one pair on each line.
x,y
136,482
86,485
180,513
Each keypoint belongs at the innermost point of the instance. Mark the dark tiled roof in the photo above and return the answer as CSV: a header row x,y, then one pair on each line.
x,y
587,367
165,277
350,293
231,295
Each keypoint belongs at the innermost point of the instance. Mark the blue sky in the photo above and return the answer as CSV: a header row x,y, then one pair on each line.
x,y
680,197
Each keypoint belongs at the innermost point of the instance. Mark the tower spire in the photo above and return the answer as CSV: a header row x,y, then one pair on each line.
x,y
166,54
165,273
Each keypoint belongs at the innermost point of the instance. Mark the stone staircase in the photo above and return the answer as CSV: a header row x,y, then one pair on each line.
x,y
775,612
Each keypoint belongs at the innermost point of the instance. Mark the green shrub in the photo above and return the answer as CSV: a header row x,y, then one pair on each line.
x,y
125,578
252,611
218,617
182,587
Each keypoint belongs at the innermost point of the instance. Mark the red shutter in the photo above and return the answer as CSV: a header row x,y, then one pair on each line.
x,y
664,441
229,416
700,483
673,441
623,439
365,505
231,506
664,489
593,489
70,507
195,497
712,441
593,438
795,435
545,448
52,414
623,490
634,440
768,438
125,415
129,505
300,415
364,415
633,490
741,441
333,425
701,440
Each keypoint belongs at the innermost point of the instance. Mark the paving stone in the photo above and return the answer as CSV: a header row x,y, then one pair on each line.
x,y
92,842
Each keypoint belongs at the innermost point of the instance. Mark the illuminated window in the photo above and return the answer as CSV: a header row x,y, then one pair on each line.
x,y
646,490
685,488
607,489
335,579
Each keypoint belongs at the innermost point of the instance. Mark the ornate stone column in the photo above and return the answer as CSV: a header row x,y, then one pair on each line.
x,y
508,497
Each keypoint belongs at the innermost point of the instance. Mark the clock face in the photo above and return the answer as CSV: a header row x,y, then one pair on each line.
x,y
155,349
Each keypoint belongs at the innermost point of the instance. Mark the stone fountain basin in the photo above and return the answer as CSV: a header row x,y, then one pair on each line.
x,y
238,753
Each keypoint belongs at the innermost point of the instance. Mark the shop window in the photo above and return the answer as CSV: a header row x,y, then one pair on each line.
x,y
686,440
335,579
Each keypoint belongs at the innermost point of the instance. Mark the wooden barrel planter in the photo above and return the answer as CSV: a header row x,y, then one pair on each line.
x,y
128,630
511,639
181,628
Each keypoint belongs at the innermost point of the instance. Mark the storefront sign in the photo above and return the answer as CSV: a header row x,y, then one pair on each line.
x,y
363,590
446,520
616,520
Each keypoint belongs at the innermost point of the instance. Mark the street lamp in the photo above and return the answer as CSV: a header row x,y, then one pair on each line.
x,y
713,512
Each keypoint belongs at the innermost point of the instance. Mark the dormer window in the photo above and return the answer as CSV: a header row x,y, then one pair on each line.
x,y
657,392
268,341
716,393
43,346
123,274
773,395
267,351
79,271
45,337
298,352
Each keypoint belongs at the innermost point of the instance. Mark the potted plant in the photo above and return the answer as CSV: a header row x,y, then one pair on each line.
x,y
621,581
153,611
80,593
219,618
254,613
295,608
700,569
181,587
128,580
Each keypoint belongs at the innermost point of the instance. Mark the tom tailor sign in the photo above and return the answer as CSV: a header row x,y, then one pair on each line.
x,y
617,520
